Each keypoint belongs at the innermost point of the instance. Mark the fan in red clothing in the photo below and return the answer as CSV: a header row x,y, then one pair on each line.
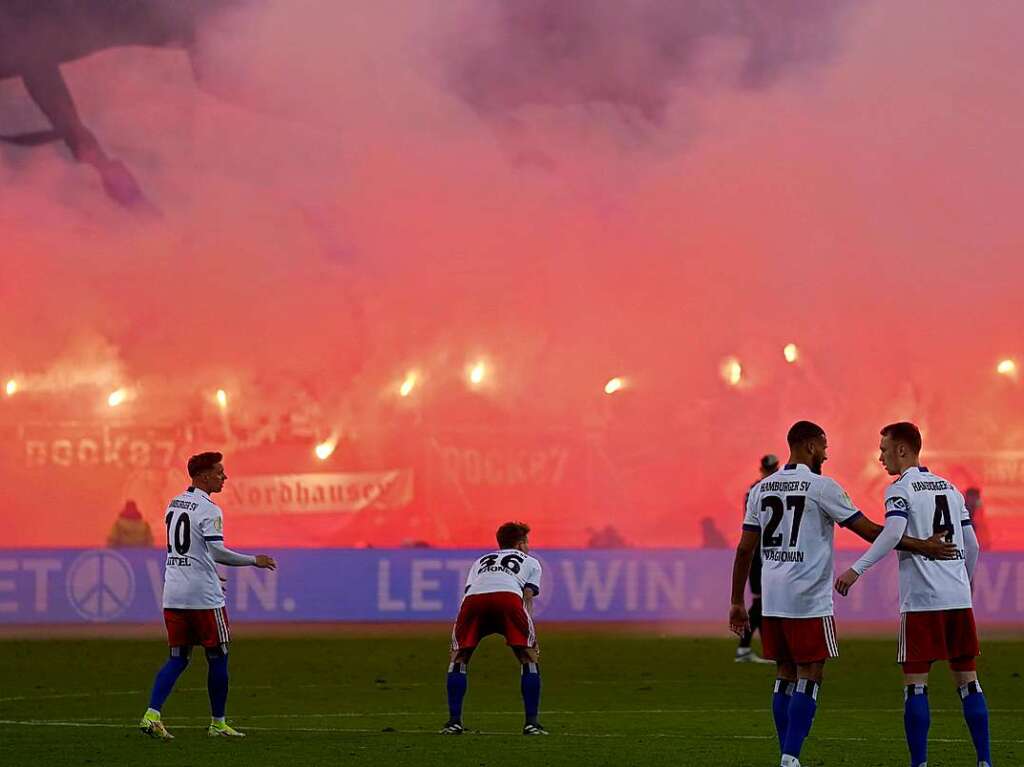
x,y
498,599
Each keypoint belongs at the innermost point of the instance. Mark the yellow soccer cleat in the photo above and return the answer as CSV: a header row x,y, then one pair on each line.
x,y
223,730
153,727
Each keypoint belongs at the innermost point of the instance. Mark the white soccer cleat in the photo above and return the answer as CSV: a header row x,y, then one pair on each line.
x,y
746,655
789,761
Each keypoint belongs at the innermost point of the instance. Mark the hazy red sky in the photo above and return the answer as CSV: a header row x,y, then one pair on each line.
x,y
348,213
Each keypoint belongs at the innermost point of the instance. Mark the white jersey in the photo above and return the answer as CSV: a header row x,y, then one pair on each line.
x,y
931,504
190,576
504,570
795,512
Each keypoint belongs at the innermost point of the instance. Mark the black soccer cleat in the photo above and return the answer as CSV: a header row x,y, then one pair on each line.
x,y
534,728
453,727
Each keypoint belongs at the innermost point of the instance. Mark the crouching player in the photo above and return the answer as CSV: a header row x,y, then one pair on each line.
x,y
498,599
936,614
193,598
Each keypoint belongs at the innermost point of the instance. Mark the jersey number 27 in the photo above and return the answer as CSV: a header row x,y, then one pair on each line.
x,y
775,505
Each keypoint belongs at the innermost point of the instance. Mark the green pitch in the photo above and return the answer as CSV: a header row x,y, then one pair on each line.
x,y
609,699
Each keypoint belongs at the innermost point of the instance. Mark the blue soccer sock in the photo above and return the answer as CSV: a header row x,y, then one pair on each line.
x,y
780,707
167,676
530,687
217,682
916,721
802,705
976,716
458,681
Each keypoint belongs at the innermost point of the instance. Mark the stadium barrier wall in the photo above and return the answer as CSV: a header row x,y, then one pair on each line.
x,y
61,586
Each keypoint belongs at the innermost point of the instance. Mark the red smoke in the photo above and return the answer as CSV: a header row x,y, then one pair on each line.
x,y
345,201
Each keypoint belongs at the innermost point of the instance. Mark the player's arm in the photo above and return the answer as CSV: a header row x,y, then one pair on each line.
x,y
528,600
971,549
934,547
212,528
886,541
222,555
749,540
972,546
531,589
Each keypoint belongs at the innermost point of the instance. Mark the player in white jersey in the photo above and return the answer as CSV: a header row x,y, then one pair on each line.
x,y
498,599
936,615
793,513
193,598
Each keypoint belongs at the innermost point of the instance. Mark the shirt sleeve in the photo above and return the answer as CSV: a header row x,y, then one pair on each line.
x,y
895,526
965,513
897,502
751,520
225,556
212,524
837,504
533,576
971,551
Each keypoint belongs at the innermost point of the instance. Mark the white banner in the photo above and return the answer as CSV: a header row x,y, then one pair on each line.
x,y
318,493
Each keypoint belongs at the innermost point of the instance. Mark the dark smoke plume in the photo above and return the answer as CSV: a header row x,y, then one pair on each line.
x,y
633,54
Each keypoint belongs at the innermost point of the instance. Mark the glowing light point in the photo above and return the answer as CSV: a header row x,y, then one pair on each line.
x,y
614,385
222,398
11,388
408,385
477,373
791,353
325,449
1007,367
117,397
732,371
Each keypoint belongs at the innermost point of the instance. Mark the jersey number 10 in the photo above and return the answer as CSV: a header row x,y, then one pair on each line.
x,y
182,534
774,504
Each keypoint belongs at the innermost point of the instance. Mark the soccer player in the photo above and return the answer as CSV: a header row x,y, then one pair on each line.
x,y
193,598
498,599
744,654
936,616
793,514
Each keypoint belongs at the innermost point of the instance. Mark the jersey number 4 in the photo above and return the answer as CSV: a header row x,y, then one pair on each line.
x,y
942,523
775,505
182,534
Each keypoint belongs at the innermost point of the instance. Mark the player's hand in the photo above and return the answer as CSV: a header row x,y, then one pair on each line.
x,y
265,563
844,581
936,547
739,623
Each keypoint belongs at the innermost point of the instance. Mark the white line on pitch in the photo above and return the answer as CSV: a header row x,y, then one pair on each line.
x,y
96,693
688,736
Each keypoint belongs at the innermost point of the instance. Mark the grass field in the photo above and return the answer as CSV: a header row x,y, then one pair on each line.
x,y
609,699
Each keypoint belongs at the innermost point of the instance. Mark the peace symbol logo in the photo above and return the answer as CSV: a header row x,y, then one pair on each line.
x,y
100,585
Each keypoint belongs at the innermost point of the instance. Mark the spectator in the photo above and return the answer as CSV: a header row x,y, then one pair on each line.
x,y
606,538
711,536
130,530
974,504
